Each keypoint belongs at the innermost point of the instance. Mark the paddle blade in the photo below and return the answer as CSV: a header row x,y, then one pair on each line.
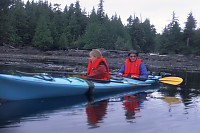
x,y
171,80
171,100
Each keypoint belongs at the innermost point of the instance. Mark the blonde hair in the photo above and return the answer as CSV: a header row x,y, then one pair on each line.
x,y
96,53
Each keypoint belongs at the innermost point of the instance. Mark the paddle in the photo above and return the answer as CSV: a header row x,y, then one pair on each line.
x,y
25,73
123,82
167,80
171,80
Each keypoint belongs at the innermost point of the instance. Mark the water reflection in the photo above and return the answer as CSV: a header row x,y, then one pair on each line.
x,y
96,112
12,113
187,91
171,100
132,104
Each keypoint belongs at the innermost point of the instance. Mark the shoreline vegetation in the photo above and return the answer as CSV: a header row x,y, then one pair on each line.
x,y
74,60
47,27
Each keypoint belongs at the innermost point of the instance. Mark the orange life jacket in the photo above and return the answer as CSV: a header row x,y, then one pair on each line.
x,y
93,65
132,68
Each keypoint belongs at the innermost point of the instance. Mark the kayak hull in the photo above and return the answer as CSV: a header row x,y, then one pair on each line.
x,y
115,87
14,87
22,87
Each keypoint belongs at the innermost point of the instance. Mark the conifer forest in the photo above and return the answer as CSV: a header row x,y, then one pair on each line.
x,y
48,27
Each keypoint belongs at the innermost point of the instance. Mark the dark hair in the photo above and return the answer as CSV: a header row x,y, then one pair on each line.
x,y
133,52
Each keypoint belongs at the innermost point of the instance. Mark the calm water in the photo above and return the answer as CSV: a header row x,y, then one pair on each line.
x,y
166,109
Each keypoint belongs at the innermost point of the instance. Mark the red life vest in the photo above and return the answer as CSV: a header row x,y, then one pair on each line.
x,y
93,65
132,68
96,112
131,105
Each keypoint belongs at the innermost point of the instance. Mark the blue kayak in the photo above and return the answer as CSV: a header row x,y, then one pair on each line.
x,y
14,87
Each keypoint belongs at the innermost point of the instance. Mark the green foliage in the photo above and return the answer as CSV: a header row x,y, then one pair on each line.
x,y
190,26
174,41
92,36
49,28
42,37
62,42
57,30
142,34
189,33
4,26
122,44
171,40
100,11
120,37
149,36
95,34
17,24
196,38
32,18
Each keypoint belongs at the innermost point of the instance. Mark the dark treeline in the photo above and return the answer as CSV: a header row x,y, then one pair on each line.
x,y
47,27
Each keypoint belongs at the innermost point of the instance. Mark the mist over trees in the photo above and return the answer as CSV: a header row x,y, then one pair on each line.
x,y
47,27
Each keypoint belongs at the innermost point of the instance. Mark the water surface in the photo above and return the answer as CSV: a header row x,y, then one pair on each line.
x,y
165,109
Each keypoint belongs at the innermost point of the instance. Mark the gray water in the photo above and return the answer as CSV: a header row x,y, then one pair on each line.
x,y
166,109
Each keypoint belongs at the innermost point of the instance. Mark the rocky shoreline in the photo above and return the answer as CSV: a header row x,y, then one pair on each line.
x,y
76,60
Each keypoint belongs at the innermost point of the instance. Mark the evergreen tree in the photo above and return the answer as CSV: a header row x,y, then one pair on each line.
x,y
171,40
80,24
57,30
93,18
42,37
46,27
97,33
70,26
18,24
4,8
76,24
189,30
149,36
119,35
175,39
32,12
90,38
137,34
100,11
130,22
62,42
196,40
163,49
